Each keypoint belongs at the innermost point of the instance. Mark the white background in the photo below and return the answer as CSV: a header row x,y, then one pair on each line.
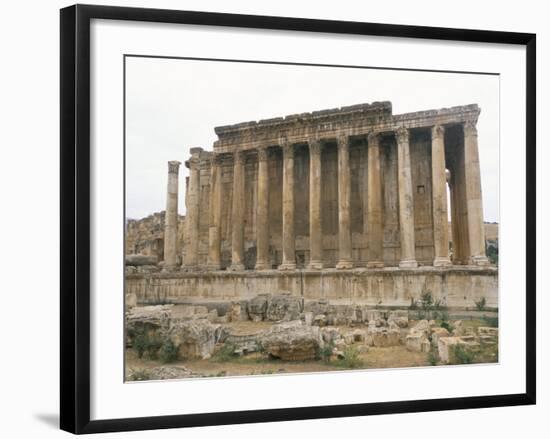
x,y
111,398
29,182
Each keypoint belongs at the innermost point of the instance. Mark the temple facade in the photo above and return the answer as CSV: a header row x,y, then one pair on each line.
x,y
341,188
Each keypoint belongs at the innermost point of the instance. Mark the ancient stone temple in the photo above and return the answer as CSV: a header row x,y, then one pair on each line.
x,y
349,187
340,203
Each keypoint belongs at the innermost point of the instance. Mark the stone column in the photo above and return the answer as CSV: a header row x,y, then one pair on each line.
x,y
374,204
289,245
344,193
214,256
262,212
192,215
476,231
406,201
439,198
315,232
237,213
171,217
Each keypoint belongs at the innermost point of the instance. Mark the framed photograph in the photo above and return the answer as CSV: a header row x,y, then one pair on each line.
x,y
274,218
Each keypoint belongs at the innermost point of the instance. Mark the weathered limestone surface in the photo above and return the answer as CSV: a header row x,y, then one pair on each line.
x,y
214,231
344,200
315,230
439,197
457,286
262,212
473,195
171,222
374,208
288,244
192,201
293,341
406,208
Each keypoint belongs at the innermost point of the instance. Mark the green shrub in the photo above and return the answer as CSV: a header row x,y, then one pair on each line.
x,y
480,304
168,352
140,344
225,353
447,325
147,342
427,300
462,356
351,359
491,321
326,352
432,357
153,346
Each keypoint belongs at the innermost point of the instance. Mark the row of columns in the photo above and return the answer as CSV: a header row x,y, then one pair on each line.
x,y
374,206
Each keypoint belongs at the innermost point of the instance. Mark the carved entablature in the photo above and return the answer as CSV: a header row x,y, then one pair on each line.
x,y
356,121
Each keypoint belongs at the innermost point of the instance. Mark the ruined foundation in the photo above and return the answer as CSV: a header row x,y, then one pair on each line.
x,y
458,287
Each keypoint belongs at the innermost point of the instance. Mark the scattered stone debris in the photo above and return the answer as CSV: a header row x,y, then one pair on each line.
x,y
160,373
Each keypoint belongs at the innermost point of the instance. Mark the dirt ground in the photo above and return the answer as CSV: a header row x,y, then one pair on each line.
x,y
253,364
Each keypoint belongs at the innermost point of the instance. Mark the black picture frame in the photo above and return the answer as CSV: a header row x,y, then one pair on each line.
x,y
75,217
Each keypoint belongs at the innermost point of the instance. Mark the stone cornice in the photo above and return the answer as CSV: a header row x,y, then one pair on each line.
x,y
357,120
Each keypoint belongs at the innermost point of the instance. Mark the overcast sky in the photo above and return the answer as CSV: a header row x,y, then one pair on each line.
x,y
173,105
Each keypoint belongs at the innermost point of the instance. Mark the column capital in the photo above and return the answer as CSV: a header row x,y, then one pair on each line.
x,y
238,156
288,150
216,159
192,163
470,128
315,145
438,131
173,166
402,135
263,153
373,137
342,140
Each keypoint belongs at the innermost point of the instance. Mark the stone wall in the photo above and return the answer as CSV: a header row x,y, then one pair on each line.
x,y
458,287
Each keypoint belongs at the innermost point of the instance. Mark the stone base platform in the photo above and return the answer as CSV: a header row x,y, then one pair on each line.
x,y
455,286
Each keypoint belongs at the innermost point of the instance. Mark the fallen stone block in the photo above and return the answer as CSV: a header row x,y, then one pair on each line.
x,y
257,307
383,337
444,348
487,331
140,260
147,319
282,307
292,342
417,342
194,339
437,333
